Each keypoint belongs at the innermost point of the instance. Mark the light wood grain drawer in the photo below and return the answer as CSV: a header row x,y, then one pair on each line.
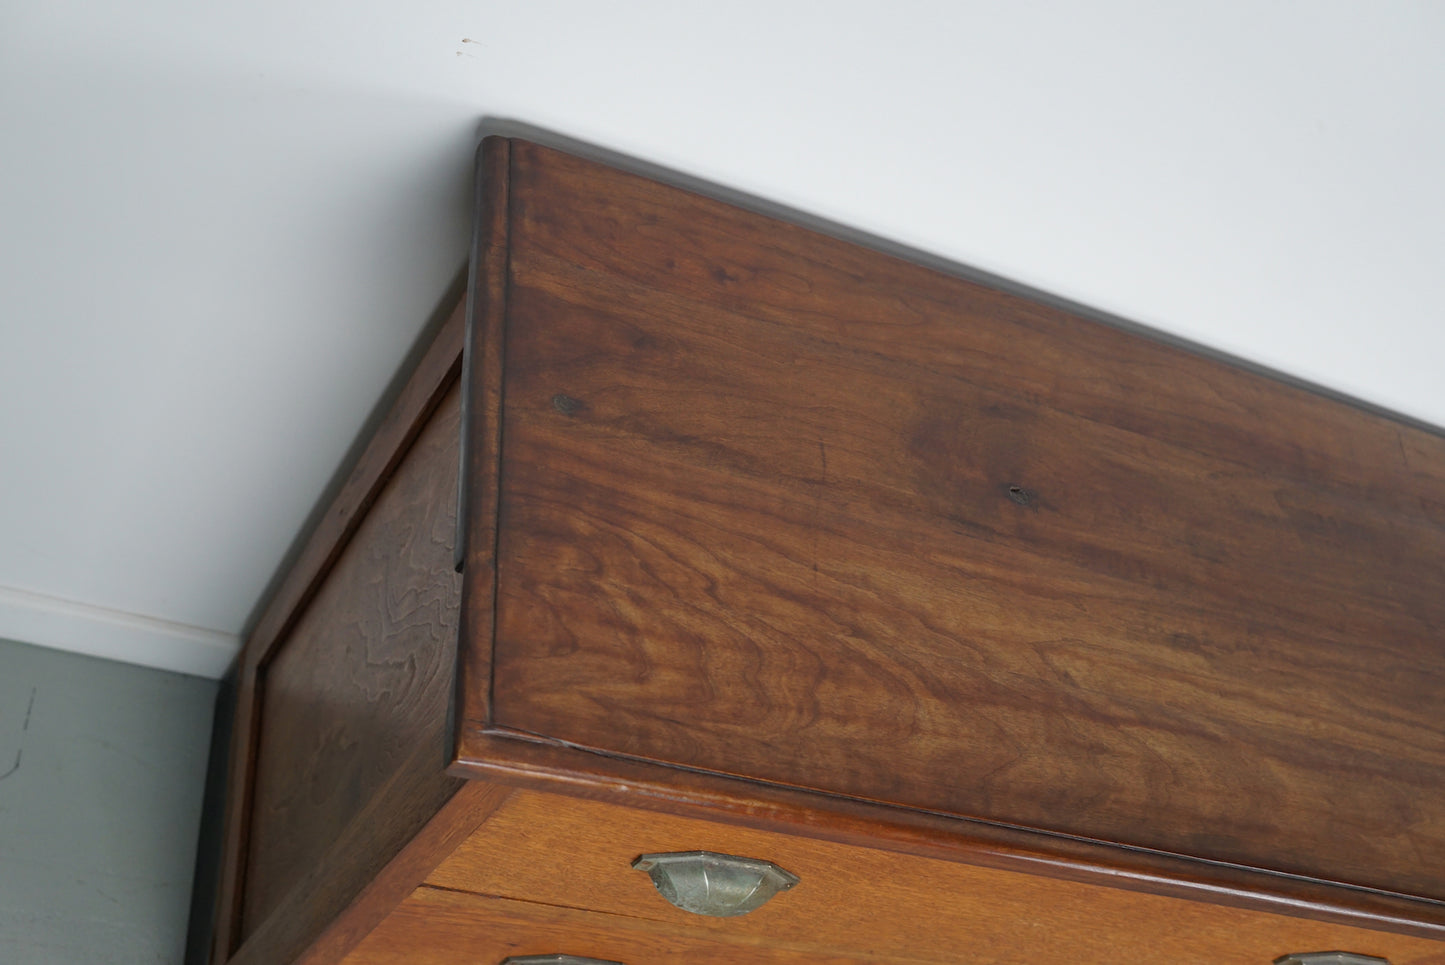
x,y
437,927
873,904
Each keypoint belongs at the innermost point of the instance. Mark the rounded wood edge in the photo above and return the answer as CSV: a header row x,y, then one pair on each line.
x,y
483,389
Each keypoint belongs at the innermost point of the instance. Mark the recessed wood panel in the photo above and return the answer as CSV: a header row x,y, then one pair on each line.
x,y
354,713
777,506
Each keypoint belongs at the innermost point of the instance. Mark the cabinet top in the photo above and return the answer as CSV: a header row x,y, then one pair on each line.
x,y
750,500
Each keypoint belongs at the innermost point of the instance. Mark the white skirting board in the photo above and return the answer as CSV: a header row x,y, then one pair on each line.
x,y
48,621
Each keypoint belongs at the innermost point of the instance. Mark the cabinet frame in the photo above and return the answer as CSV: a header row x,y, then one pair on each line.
x,y
328,913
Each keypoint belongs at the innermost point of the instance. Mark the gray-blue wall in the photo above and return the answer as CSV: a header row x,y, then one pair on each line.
x,y
102,769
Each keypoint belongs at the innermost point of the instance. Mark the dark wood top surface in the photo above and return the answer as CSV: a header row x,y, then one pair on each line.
x,y
778,506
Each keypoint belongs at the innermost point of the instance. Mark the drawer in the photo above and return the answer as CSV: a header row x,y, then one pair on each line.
x,y
436,927
769,505
871,904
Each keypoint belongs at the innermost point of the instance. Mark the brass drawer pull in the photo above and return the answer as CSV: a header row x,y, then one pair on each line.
x,y
720,885
1329,958
555,960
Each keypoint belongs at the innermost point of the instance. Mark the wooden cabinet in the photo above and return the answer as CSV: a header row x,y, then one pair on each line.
x,y
1018,636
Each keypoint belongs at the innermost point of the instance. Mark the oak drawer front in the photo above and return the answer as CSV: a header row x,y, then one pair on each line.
x,y
873,904
435,927
775,506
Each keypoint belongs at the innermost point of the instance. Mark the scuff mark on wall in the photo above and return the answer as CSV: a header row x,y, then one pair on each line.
x,y
20,751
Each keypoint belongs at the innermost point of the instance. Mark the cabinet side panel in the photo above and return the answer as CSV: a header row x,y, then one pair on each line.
x,y
327,897
359,689
405,416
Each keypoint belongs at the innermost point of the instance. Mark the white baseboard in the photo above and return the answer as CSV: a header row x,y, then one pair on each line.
x,y
48,621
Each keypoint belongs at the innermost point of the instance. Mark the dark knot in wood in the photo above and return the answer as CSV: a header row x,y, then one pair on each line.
x,y
1020,495
567,405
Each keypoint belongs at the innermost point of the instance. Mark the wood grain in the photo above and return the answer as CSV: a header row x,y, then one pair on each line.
x,y
485,385
435,927
354,716
776,506
435,372
366,874
870,904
